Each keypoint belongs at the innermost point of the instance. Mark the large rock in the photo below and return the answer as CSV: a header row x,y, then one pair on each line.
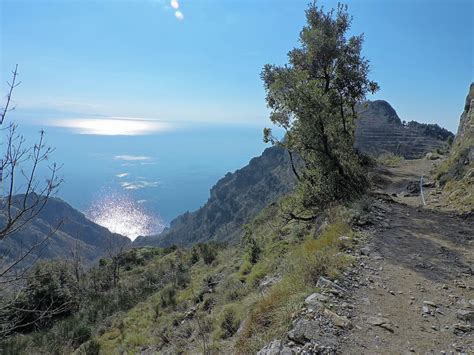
x,y
305,330
276,347
315,299
336,319
381,322
466,123
331,287
466,315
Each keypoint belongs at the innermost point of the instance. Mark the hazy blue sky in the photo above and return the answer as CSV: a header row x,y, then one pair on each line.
x,y
138,58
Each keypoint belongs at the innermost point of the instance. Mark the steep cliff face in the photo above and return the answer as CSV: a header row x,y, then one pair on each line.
x,y
456,174
380,130
466,124
63,229
233,201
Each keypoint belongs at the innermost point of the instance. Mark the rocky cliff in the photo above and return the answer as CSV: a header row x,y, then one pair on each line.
x,y
380,130
456,174
466,124
233,201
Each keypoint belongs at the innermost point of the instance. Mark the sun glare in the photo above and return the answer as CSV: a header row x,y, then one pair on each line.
x,y
113,126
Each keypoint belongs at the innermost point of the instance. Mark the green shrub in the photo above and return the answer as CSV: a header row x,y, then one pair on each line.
x,y
254,250
168,296
92,347
234,289
208,252
195,256
245,268
230,322
51,292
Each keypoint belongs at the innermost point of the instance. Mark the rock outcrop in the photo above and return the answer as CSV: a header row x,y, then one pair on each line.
x,y
456,174
380,130
466,124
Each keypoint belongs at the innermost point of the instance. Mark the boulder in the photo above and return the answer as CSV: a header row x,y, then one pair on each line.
x,y
466,315
276,347
337,320
413,187
315,299
432,156
304,330
331,286
381,322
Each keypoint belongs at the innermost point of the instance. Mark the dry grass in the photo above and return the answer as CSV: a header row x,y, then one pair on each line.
x,y
271,316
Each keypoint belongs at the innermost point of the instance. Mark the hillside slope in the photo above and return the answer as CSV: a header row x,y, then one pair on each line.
x,y
233,201
240,196
409,286
456,174
75,232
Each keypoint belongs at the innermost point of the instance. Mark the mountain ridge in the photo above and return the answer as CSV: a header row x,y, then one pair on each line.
x,y
377,121
60,229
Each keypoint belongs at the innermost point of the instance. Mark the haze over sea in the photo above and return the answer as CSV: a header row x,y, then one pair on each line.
x,y
135,175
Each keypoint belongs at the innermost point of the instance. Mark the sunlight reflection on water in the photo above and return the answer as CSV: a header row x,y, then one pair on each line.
x,y
113,126
121,214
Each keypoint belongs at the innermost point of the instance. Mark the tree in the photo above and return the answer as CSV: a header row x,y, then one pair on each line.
x,y
23,195
313,99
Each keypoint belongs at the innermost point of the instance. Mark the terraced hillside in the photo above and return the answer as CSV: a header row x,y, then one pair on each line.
x,y
380,130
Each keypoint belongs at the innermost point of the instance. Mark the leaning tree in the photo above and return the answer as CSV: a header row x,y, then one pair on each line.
x,y
313,99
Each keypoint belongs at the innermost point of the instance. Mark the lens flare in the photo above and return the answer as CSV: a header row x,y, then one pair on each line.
x,y
179,15
121,214
174,4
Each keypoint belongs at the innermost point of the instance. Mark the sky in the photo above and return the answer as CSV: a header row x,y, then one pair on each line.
x,y
200,60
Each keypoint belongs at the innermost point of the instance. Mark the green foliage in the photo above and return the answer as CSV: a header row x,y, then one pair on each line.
x,y
432,130
455,167
230,322
81,310
195,255
208,251
302,263
252,246
313,99
234,289
168,296
92,347
51,292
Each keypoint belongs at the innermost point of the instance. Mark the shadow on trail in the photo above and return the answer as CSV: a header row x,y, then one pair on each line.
x,y
428,242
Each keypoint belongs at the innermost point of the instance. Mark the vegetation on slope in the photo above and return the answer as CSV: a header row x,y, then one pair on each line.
x,y
234,201
313,99
431,130
456,174
209,297
217,298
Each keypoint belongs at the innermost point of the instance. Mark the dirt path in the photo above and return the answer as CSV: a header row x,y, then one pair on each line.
x,y
415,289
